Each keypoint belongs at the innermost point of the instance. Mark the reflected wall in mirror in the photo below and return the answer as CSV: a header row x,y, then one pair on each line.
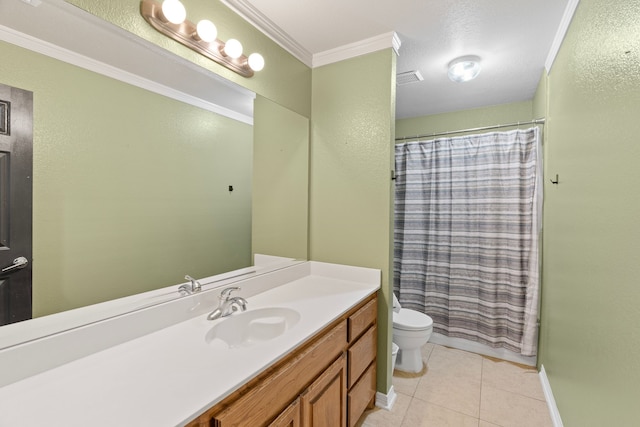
x,y
131,189
280,181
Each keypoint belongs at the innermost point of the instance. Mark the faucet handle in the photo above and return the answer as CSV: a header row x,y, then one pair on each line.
x,y
227,292
195,285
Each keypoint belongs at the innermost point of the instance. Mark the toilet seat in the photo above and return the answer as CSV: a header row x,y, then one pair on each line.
x,y
411,320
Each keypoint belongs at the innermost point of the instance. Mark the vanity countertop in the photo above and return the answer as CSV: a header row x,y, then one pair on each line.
x,y
169,377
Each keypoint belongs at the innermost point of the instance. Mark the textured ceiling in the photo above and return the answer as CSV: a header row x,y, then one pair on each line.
x,y
513,38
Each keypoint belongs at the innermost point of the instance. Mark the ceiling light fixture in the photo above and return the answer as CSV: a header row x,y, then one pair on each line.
x,y
169,18
464,68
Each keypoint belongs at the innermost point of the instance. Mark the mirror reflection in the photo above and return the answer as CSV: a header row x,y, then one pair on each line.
x,y
131,189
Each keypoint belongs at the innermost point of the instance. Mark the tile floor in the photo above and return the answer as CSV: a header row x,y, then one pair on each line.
x,y
460,389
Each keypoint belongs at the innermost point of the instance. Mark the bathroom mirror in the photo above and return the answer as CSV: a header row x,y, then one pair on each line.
x,y
133,187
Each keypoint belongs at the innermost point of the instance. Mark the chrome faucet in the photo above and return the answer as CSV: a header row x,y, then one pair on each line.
x,y
191,288
227,304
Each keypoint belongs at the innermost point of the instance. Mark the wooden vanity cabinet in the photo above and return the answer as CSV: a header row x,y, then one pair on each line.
x,y
328,382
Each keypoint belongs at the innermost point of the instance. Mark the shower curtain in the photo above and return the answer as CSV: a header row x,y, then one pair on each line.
x,y
467,220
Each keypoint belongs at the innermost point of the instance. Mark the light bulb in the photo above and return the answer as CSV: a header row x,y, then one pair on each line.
x,y
206,31
233,48
256,62
174,11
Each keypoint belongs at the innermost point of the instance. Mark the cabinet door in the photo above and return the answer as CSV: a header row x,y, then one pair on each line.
x,y
324,403
290,417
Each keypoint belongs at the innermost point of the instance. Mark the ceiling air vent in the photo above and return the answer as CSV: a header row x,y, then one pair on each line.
x,y
408,77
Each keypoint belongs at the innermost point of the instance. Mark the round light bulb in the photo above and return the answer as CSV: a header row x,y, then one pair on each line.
x,y
174,11
464,68
233,48
206,30
256,62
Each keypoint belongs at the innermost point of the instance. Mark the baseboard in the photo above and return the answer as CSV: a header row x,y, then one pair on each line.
x,y
551,401
386,401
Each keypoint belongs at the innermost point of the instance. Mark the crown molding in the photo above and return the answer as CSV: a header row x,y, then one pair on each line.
x,y
569,11
396,42
256,18
373,44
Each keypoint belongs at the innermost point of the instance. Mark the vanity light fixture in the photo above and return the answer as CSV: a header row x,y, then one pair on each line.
x,y
169,18
464,68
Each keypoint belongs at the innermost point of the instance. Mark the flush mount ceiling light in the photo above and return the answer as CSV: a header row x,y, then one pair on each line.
x,y
169,18
464,68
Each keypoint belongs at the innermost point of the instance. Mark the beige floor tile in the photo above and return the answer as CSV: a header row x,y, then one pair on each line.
x,y
456,363
509,377
406,383
512,410
450,390
378,417
460,389
426,351
421,414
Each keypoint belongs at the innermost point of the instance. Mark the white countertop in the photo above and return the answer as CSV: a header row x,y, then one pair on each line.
x,y
169,377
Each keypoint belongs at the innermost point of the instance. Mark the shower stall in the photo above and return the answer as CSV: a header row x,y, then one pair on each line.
x,y
467,226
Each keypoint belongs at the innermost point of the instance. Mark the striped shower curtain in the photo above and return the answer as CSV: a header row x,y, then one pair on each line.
x,y
467,220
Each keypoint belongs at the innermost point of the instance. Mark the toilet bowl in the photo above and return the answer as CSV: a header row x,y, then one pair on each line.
x,y
411,330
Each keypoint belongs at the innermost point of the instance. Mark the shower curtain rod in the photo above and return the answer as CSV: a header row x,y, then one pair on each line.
x,y
431,135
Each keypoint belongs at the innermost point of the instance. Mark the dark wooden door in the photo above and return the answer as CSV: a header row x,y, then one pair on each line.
x,y
16,165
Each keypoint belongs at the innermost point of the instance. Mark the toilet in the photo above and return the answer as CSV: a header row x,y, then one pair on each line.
x,y
411,330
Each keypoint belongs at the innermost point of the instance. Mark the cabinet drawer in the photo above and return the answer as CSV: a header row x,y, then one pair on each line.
x,y
361,354
361,395
362,319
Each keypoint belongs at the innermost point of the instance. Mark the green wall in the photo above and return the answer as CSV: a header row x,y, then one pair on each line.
x,y
284,79
353,107
130,187
280,181
465,119
591,296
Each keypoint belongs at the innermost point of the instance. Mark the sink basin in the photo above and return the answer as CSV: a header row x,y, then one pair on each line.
x,y
253,326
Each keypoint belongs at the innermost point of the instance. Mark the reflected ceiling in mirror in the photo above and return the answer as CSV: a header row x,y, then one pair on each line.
x,y
96,45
